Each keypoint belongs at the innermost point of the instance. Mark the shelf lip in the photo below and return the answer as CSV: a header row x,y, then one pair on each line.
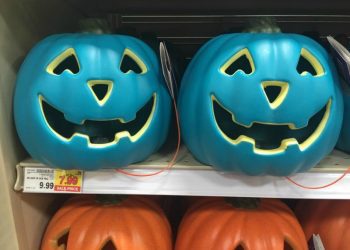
x,y
189,177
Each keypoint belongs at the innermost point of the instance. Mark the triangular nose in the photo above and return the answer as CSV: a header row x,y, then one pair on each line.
x,y
101,90
275,92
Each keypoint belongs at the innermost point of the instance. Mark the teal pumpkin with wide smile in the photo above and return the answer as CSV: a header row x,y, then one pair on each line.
x,y
91,101
261,103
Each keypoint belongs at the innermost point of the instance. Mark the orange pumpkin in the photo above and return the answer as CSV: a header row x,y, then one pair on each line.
x,y
86,223
328,218
224,224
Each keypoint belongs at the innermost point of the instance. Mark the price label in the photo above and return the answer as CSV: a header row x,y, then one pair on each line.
x,y
68,180
47,180
39,180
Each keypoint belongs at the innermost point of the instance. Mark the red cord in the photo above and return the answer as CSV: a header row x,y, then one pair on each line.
x,y
173,160
320,187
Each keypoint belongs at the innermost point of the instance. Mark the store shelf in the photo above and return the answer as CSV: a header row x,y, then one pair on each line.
x,y
189,177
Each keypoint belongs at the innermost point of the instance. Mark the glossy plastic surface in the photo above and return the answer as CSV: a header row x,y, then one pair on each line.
x,y
99,58
274,60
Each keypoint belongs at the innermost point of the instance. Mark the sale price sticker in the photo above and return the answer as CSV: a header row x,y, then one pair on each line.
x,y
68,181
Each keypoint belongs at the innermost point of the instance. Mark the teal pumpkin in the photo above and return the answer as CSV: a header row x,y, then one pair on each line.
x,y
261,103
90,101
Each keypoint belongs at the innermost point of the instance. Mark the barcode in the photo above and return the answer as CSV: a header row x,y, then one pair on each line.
x,y
44,171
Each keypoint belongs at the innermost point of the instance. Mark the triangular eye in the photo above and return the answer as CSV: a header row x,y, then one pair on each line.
x,y
287,246
109,246
63,239
240,61
308,63
131,62
239,247
65,61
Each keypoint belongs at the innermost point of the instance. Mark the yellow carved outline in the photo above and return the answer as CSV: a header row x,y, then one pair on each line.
x,y
243,52
101,82
319,128
281,96
285,143
61,58
290,125
118,135
138,61
313,61
41,98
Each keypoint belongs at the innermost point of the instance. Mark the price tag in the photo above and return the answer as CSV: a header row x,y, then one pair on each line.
x,y
38,180
47,180
68,180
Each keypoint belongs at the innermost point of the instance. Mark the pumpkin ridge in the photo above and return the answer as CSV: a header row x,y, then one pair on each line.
x,y
127,222
77,240
248,229
68,207
239,219
227,218
288,220
144,217
148,203
63,222
155,207
114,230
189,222
122,225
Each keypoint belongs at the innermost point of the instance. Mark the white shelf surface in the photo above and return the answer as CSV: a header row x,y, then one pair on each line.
x,y
189,177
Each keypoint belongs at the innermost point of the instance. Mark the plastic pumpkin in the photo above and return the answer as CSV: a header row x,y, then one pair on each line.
x,y
218,224
261,103
328,218
90,101
84,223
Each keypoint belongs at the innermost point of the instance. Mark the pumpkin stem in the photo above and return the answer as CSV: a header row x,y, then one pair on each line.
x,y
110,199
263,25
94,26
244,203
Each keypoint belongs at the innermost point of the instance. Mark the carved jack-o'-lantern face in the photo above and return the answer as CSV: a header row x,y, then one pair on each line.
x,y
239,224
91,101
261,103
108,223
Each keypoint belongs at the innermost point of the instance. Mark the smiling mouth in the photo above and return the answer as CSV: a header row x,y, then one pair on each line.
x,y
99,132
267,137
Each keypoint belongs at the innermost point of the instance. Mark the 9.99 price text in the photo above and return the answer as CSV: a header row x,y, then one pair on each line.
x,y
46,185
